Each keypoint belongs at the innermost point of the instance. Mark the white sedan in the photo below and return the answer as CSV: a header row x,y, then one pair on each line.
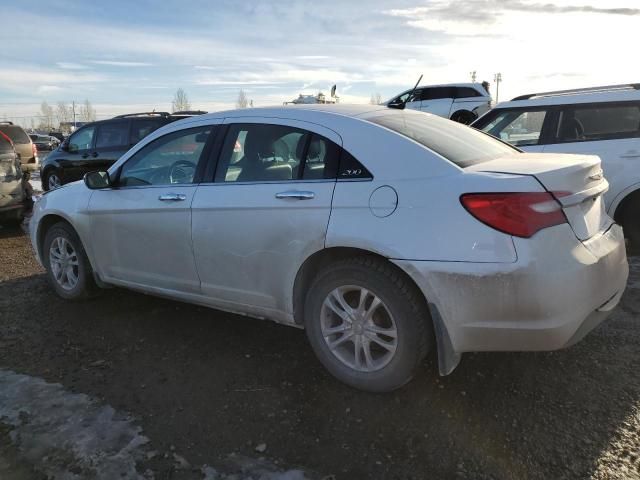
x,y
386,234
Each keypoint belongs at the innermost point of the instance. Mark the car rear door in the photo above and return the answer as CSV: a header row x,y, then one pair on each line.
x,y
141,227
610,130
437,100
264,211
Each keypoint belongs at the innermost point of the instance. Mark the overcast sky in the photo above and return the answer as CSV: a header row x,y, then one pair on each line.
x,y
128,55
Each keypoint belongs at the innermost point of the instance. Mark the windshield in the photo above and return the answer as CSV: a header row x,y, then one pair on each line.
x,y
457,143
15,133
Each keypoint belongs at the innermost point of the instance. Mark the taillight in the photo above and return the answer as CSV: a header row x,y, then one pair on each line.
x,y
520,214
34,149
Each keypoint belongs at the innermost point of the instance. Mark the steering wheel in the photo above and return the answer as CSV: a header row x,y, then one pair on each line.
x,y
182,171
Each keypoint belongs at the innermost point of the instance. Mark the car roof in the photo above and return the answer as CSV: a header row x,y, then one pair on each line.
x,y
615,93
300,112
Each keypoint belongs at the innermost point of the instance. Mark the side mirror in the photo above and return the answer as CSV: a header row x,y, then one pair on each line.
x,y
97,180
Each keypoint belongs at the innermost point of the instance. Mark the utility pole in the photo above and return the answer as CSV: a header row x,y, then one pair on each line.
x,y
497,78
73,106
473,76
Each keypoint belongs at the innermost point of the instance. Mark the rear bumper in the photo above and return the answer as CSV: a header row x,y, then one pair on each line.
x,y
557,291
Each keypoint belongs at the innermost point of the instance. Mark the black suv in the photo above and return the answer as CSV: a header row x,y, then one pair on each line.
x,y
98,145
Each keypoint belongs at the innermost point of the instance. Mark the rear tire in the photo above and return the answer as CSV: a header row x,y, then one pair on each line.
x,y
463,116
367,324
68,269
631,224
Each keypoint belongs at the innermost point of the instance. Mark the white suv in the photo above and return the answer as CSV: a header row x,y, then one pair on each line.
x,y
603,121
461,102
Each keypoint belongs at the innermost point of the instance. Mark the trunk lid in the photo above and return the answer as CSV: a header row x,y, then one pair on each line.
x,y
576,181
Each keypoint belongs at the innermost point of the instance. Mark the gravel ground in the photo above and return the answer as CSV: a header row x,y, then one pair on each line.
x,y
217,389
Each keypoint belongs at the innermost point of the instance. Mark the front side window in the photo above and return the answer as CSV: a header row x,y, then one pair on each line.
x,y
112,134
457,143
171,159
82,139
517,127
599,122
437,93
267,153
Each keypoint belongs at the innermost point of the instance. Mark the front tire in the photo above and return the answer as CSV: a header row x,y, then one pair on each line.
x,y
367,324
68,269
51,180
463,116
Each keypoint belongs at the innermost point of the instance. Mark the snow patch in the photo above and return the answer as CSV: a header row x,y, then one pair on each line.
x,y
65,435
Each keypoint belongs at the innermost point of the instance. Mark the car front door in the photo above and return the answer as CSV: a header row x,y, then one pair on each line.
x,y
77,154
112,141
609,130
141,227
263,213
521,127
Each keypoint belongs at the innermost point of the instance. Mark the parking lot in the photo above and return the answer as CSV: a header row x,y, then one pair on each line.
x,y
210,388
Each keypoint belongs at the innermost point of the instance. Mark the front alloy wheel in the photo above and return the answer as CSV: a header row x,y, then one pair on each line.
x,y
64,263
53,181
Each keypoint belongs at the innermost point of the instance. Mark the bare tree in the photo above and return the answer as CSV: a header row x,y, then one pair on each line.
x,y
180,101
376,99
64,113
87,112
46,116
243,101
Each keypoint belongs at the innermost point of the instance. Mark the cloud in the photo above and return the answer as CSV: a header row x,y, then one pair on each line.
x,y
119,63
44,89
489,11
71,66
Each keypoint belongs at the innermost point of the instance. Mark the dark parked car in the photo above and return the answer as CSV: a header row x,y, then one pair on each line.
x,y
44,142
96,146
13,197
22,143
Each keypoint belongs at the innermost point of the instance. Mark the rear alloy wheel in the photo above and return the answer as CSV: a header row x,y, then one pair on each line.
x,y
463,116
68,268
52,181
367,324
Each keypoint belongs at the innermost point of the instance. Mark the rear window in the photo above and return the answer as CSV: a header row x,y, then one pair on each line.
x,y
457,143
15,133
5,146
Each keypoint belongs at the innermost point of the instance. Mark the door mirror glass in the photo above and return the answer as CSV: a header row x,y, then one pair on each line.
x,y
97,180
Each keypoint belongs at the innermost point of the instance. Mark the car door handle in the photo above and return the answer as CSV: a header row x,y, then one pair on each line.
x,y
630,154
172,197
94,154
296,195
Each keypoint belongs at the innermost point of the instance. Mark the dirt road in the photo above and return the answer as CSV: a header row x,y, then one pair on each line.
x,y
204,385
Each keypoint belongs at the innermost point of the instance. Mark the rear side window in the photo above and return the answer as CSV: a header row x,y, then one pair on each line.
x,y
15,133
580,123
113,134
519,127
457,143
351,168
466,92
142,128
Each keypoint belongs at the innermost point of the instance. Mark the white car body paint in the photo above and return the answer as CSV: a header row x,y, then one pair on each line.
x,y
487,290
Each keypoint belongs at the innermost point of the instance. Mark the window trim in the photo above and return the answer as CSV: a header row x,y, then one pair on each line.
x,y
575,106
200,166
